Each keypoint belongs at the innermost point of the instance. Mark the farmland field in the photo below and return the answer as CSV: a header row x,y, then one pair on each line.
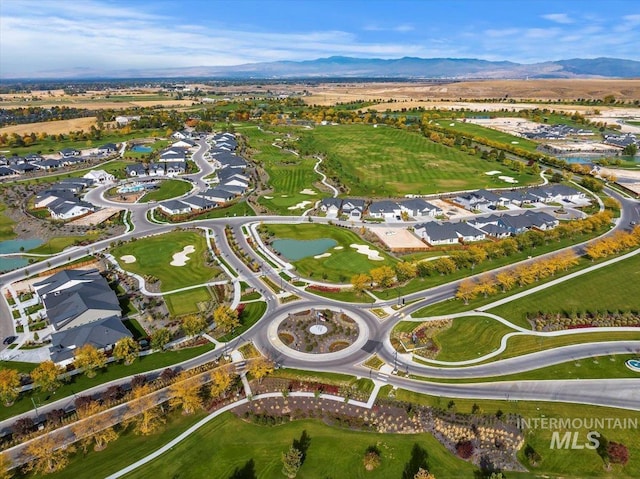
x,y
55,127
386,161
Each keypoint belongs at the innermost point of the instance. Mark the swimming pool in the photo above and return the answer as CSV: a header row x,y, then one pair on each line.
x,y
141,149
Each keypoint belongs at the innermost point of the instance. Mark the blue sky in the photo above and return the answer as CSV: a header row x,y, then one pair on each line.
x,y
45,37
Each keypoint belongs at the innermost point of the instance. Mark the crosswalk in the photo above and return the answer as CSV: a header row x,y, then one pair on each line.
x,y
240,366
382,377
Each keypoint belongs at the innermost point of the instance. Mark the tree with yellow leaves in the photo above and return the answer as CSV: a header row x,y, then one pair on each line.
x,y
467,290
260,367
506,279
226,319
147,416
94,427
45,376
423,474
383,276
87,357
193,324
126,350
359,282
185,393
9,384
5,466
220,381
486,285
45,456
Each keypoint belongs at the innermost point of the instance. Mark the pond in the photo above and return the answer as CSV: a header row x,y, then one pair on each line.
x,y
297,249
13,246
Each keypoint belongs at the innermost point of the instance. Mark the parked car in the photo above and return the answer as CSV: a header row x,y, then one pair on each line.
x,y
9,339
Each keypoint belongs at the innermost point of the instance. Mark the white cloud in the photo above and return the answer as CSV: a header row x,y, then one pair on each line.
x,y
558,18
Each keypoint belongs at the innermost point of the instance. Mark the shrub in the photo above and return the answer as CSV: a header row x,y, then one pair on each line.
x,y
464,449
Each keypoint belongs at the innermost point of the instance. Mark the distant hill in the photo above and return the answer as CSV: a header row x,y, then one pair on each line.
x,y
407,67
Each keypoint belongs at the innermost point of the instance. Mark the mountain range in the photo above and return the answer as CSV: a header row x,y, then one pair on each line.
x,y
401,68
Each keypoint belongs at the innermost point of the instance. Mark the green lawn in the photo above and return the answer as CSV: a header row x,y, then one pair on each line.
x,y
6,225
391,162
470,337
227,444
341,265
488,133
250,316
614,287
153,255
187,302
347,295
59,243
166,190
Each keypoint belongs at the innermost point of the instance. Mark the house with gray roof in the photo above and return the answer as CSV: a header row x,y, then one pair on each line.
x,y
102,334
74,297
419,207
354,208
218,195
384,209
436,233
137,169
174,207
330,206
198,203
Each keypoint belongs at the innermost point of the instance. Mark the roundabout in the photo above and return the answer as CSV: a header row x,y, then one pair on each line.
x,y
314,334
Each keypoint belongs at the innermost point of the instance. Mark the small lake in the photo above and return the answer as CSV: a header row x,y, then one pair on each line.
x,y
297,249
13,246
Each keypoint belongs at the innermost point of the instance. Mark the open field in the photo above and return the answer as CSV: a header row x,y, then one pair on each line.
x,y
6,225
612,288
228,443
493,134
153,255
187,302
341,265
427,94
51,127
167,189
59,243
383,161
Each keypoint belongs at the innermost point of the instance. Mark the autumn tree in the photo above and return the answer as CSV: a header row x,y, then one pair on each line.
x,y
291,462
160,338
5,466
525,275
467,290
126,350
220,381
506,280
147,415
371,459
45,456
185,392
405,271
444,265
260,368
359,282
9,384
45,376
87,357
226,319
193,324
423,474
383,276
486,285
618,453
94,427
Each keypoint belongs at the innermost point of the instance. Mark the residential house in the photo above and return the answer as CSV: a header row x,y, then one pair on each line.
x,y
69,152
436,233
102,334
218,195
48,164
173,168
76,297
184,144
385,209
418,207
107,149
156,169
100,177
174,207
331,206
198,203
136,170
353,208
65,209
481,199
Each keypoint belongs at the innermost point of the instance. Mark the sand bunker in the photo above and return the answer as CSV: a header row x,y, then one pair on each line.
x,y
181,258
508,179
339,247
323,255
492,172
364,249
128,258
308,191
299,206
268,197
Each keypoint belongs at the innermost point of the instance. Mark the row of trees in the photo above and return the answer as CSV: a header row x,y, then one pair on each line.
x,y
474,255
614,244
490,284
